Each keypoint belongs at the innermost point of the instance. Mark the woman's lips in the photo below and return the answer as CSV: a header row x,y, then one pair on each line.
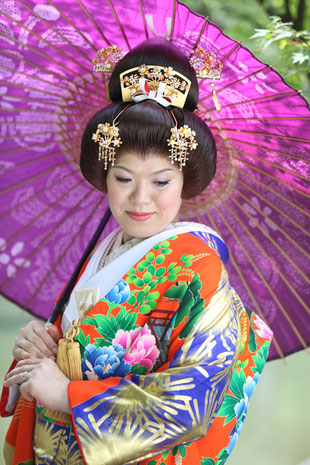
x,y
139,216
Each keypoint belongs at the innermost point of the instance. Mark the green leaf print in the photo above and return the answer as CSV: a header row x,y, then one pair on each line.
x,y
237,382
176,292
166,251
172,265
156,247
138,369
138,282
152,462
84,341
207,461
108,326
160,271
261,358
164,244
153,295
89,320
131,271
194,310
172,277
160,259
184,308
145,309
227,408
147,277
150,256
151,269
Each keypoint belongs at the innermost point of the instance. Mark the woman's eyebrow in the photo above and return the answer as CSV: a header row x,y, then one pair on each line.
x,y
129,171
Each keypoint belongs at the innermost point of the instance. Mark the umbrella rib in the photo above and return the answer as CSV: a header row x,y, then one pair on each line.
x,y
268,149
64,252
259,99
37,194
201,32
75,90
281,197
54,84
34,65
253,167
44,240
33,160
35,176
276,245
173,19
45,210
247,287
13,136
22,123
265,134
55,30
143,19
118,23
275,165
71,24
228,54
50,44
218,91
280,212
29,99
268,118
275,298
93,21
17,149
58,63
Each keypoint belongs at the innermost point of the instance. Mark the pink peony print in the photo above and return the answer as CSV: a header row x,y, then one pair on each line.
x,y
263,330
140,345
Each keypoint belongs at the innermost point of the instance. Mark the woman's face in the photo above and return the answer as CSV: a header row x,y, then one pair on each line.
x,y
144,195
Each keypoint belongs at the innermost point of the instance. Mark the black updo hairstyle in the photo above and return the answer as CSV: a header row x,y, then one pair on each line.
x,y
145,127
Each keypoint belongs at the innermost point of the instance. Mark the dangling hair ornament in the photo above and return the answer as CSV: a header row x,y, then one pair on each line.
x,y
181,141
206,67
108,137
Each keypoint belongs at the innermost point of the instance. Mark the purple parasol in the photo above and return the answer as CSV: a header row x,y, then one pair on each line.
x,y
257,201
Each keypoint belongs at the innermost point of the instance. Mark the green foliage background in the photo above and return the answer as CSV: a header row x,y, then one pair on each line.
x,y
240,19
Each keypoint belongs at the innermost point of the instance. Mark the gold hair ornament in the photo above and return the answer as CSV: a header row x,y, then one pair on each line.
x,y
206,67
162,84
107,136
181,141
106,58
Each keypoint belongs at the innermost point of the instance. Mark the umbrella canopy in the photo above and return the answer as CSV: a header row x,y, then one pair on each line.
x,y
257,201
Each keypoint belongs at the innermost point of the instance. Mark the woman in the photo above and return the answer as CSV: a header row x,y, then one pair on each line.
x,y
169,353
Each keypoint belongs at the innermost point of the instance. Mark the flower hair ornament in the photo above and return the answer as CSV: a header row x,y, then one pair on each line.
x,y
107,135
182,140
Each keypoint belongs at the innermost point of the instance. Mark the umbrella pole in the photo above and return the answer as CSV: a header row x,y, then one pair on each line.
x,y
71,283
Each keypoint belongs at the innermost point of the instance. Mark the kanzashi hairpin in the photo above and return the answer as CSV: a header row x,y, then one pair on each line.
x,y
106,58
181,141
107,136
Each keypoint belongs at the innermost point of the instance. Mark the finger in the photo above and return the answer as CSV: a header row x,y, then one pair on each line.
x,y
35,340
54,333
49,337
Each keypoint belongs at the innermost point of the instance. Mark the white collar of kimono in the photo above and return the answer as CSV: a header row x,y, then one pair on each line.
x,y
104,280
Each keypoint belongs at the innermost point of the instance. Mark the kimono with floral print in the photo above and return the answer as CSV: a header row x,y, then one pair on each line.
x,y
170,358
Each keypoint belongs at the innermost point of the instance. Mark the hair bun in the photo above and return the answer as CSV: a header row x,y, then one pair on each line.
x,y
158,52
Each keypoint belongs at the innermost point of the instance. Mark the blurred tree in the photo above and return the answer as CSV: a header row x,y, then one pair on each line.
x,y
282,43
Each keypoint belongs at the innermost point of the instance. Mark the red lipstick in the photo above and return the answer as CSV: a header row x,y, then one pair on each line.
x,y
139,216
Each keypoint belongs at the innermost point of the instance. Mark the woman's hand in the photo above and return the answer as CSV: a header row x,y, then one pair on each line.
x,y
34,340
41,379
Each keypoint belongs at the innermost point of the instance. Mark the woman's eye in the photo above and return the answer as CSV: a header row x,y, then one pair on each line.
x,y
161,183
118,178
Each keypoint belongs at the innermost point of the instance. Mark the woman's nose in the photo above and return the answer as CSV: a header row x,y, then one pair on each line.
x,y
140,193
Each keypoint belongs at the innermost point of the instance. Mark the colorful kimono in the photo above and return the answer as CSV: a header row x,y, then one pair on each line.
x,y
170,358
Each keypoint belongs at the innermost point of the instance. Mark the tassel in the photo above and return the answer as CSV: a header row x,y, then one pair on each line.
x,y
69,362
215,100
74,359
